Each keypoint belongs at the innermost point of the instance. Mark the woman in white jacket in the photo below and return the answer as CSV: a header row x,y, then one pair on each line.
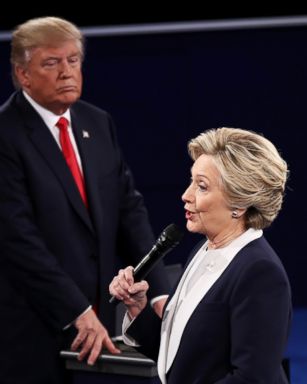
x,y
227,321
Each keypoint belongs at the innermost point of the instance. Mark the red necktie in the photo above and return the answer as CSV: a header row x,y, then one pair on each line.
x,y
70,156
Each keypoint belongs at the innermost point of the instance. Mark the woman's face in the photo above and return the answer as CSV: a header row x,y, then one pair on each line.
x,y
207,211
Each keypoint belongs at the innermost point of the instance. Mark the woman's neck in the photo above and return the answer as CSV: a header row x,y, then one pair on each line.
x,y
222,241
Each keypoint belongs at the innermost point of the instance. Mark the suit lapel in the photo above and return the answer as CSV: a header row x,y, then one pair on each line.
x,y
188,305
85,139
84,136
166,328
190,302
42,139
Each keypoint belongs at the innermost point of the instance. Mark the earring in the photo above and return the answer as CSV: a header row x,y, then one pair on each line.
x,y
234,214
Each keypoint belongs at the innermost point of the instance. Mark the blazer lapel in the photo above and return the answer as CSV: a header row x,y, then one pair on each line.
x,y
191,301
42,139
166,328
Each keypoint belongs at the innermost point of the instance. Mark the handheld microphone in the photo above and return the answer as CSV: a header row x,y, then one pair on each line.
x,y
168,239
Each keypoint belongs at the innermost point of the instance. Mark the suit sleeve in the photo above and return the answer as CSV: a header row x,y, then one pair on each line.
x,y
145,329
26,260
260,311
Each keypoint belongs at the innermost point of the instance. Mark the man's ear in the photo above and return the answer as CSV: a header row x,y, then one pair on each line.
x,y
22,76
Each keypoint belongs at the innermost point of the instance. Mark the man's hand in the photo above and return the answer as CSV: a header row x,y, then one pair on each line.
x,y
91,337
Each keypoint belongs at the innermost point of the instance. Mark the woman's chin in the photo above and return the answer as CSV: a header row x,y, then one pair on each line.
x,y
192,227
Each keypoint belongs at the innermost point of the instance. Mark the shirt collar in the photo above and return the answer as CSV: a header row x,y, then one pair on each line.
x,y
231,249
50,119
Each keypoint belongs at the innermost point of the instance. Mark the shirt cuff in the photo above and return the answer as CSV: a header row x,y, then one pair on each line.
x,y
128,340
157,298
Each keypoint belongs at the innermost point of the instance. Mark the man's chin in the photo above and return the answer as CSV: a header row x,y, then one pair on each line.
x,y
69,98
61,104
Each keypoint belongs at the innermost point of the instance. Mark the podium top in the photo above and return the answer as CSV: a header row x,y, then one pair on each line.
x,y
129,362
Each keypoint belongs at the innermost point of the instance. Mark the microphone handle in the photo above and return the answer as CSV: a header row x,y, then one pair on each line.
x,y
168,239
143,268
114,300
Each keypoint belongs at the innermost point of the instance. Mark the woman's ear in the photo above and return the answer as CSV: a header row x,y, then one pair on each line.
x,y
237,213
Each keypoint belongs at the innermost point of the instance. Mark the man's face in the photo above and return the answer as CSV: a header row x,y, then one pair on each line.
x,y
53,76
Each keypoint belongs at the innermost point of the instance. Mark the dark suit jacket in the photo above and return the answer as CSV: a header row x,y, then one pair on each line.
x,y
57,257
238,332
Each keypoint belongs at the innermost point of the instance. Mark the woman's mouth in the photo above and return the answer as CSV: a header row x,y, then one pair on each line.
x,y
189,214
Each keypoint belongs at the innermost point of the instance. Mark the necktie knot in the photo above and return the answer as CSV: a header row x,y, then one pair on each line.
x,y
62,123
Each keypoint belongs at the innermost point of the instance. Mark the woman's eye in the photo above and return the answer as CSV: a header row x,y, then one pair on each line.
x,y
202,187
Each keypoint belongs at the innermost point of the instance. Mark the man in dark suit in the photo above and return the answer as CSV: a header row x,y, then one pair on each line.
x,y
61,237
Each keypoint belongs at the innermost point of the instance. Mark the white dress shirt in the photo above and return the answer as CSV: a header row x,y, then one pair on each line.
x,y
50,119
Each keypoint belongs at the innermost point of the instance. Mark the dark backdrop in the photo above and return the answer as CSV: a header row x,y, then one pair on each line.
x,y
147,12
163,89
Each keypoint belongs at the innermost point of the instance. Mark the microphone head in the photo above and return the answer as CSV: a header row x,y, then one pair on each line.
x,y
171,236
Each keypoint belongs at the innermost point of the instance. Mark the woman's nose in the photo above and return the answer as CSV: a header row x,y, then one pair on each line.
x,y
187,195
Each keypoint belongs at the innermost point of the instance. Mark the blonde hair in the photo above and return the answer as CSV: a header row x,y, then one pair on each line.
x,y
253,174
39,32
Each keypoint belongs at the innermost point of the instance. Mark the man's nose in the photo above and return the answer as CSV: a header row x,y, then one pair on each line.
x,y
65,68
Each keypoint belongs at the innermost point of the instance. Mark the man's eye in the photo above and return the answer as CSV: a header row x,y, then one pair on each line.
x,y
50,63
74,60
